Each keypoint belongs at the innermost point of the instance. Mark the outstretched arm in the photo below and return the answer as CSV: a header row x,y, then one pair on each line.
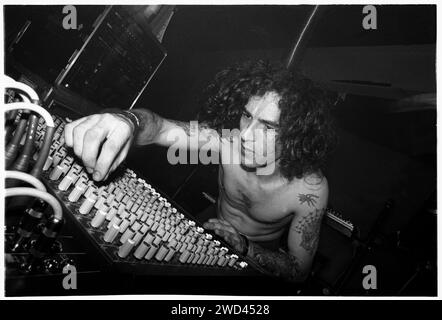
x,y
155,129
102,141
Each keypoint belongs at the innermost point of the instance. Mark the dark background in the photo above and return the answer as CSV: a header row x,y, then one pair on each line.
x,y
202,40
387,149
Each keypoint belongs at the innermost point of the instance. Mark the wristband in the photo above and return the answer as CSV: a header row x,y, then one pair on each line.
x,y
128,115
133,117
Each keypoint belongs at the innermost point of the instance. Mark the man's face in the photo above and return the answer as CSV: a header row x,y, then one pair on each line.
x,y
259,128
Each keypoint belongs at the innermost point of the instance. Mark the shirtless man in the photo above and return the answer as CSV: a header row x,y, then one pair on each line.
x,y
276,187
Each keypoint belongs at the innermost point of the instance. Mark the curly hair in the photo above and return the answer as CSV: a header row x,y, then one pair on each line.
x,y
306,130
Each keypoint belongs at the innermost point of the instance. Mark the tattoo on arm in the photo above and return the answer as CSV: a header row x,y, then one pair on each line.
x,y
314,179
192,127
183,125
308,227
310,199
150,126
280,264
286,265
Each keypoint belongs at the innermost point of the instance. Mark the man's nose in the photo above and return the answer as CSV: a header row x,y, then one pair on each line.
x,y
248,133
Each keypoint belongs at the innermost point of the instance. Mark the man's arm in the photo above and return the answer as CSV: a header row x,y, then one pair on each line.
x,y
303,236
309,206
165,132
102,141
302,243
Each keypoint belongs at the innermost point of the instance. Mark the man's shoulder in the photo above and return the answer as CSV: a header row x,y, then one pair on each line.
x,y
310,192
315,182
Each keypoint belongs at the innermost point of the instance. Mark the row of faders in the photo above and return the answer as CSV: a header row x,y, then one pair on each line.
x,y
130,218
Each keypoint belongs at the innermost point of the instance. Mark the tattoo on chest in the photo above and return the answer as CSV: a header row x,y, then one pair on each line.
x,y
310,199
308,227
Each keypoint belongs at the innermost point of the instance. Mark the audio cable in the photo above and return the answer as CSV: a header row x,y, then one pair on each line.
x,y
33,216
25,177
13,146
11,151
50,199
22,88
22,162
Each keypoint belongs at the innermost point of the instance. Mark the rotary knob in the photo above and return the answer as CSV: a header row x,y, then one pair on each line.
x,y
169,255
126,248
141,250
127,235
161,253
76,192
58,171
99,218
48,163
87,204
66,182
112,233
151,252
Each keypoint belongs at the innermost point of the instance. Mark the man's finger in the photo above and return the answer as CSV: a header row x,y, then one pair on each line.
x,y
111,148
93,139
120,158
216,226
228,237
68,131
227,225
79,131
221,233
214,220
212,224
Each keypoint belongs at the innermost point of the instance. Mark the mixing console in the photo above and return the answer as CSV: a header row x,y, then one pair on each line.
x,y
135,227
122,235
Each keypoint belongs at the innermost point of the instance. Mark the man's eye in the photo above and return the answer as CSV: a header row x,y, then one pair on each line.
x,y
269,128
247,115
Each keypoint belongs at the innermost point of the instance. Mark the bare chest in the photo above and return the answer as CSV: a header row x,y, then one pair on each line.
x,y
245,194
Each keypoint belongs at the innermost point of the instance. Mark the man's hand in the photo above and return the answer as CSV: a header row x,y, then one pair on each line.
x,y
279,263
225,230
113,133
101,141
